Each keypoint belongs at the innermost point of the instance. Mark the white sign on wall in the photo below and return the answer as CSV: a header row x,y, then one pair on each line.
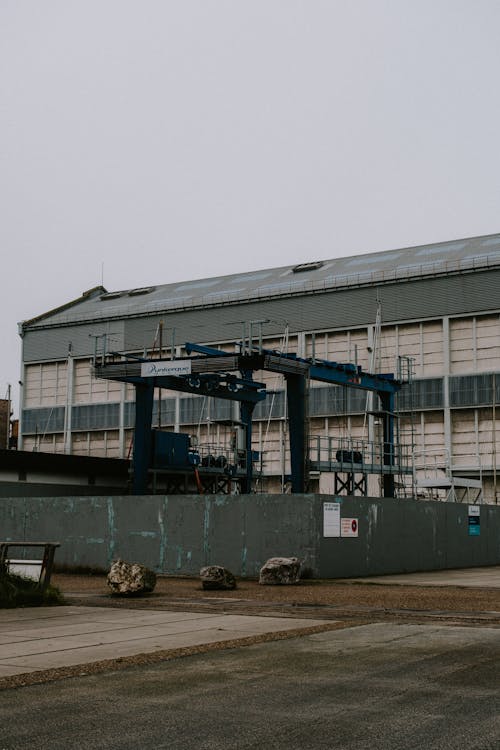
x,y
162,367
349,527
331,519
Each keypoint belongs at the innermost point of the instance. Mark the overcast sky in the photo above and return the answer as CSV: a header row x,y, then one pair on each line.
x,y
149,141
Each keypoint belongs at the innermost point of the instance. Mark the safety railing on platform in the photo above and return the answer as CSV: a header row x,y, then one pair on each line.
x,y
363,456
438,475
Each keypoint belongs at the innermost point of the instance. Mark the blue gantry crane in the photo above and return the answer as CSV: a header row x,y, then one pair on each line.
x,y
297,372
211,372
198,375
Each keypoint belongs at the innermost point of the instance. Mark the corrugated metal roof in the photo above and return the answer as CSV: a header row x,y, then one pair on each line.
x,y
360,270
425,298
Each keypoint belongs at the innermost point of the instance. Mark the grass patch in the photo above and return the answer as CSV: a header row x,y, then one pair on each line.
x,y
17,591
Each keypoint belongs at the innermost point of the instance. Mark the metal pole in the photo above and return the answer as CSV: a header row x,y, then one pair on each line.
x,y
68,410
246,411
494,438
7,425
172,350
387,400
160,338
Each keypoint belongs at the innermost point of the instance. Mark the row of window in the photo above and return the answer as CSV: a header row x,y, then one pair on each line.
x,y
334,400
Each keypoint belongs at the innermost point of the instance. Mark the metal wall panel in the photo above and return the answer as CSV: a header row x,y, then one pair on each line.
x,y
411,300
43,344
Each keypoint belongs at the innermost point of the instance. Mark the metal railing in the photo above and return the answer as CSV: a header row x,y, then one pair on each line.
x,y
438,476
346,454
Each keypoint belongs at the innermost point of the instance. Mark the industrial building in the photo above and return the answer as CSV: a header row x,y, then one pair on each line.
x,y
430,315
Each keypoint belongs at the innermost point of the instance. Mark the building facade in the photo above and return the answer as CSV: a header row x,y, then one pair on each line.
x,y
430,314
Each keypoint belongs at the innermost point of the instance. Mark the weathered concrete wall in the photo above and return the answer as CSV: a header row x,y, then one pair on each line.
x,y
179,534
410,535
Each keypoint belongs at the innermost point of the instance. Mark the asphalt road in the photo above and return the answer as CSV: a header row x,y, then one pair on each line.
x,y
380,686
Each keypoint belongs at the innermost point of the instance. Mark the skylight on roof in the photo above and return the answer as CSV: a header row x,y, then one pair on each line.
x,y
111,295
141,290
301,267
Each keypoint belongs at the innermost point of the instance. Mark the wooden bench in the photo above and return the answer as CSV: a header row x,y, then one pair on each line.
x,y
38,570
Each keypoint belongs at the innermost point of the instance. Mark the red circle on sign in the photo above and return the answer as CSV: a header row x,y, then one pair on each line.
x,y
354,524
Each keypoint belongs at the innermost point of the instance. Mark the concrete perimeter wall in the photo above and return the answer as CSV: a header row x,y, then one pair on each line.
x,y
179,534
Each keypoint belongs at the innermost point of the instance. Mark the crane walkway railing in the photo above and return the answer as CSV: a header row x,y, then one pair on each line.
x,y
330,454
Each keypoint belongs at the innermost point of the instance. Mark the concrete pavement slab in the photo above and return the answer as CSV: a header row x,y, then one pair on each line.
x,y
484,577
80,635
138,638
82,624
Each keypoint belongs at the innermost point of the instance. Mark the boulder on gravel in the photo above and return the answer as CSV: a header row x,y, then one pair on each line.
x,y
280,570
217,577
130,579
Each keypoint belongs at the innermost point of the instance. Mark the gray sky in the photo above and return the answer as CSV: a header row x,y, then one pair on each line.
x,y
169,140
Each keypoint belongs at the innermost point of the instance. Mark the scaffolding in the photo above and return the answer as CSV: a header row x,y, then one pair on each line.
x,y
435,477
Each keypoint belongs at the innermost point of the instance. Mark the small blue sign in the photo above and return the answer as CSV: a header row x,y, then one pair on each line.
x,y
474,526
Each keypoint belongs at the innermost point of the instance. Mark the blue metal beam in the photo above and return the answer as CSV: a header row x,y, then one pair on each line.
x,y
144,394
296,402
336,373
387,402
199,349
354,378
234,389
246,412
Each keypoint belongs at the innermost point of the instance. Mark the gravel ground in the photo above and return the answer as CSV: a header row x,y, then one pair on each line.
x,y
311,594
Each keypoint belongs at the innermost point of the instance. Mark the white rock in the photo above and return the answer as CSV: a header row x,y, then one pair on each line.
x,y
130,578
280,570
217,577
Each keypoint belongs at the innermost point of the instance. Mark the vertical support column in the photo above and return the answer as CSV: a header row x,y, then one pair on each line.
x,y
494,436
301,345
387,401
22,380
70,376
282,452
246,412
177,354
296,401
474,343
143,437
446,387
421,350
121,421
369,403
177,412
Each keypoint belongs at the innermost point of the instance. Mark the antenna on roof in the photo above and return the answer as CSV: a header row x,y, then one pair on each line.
x,y
102,273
